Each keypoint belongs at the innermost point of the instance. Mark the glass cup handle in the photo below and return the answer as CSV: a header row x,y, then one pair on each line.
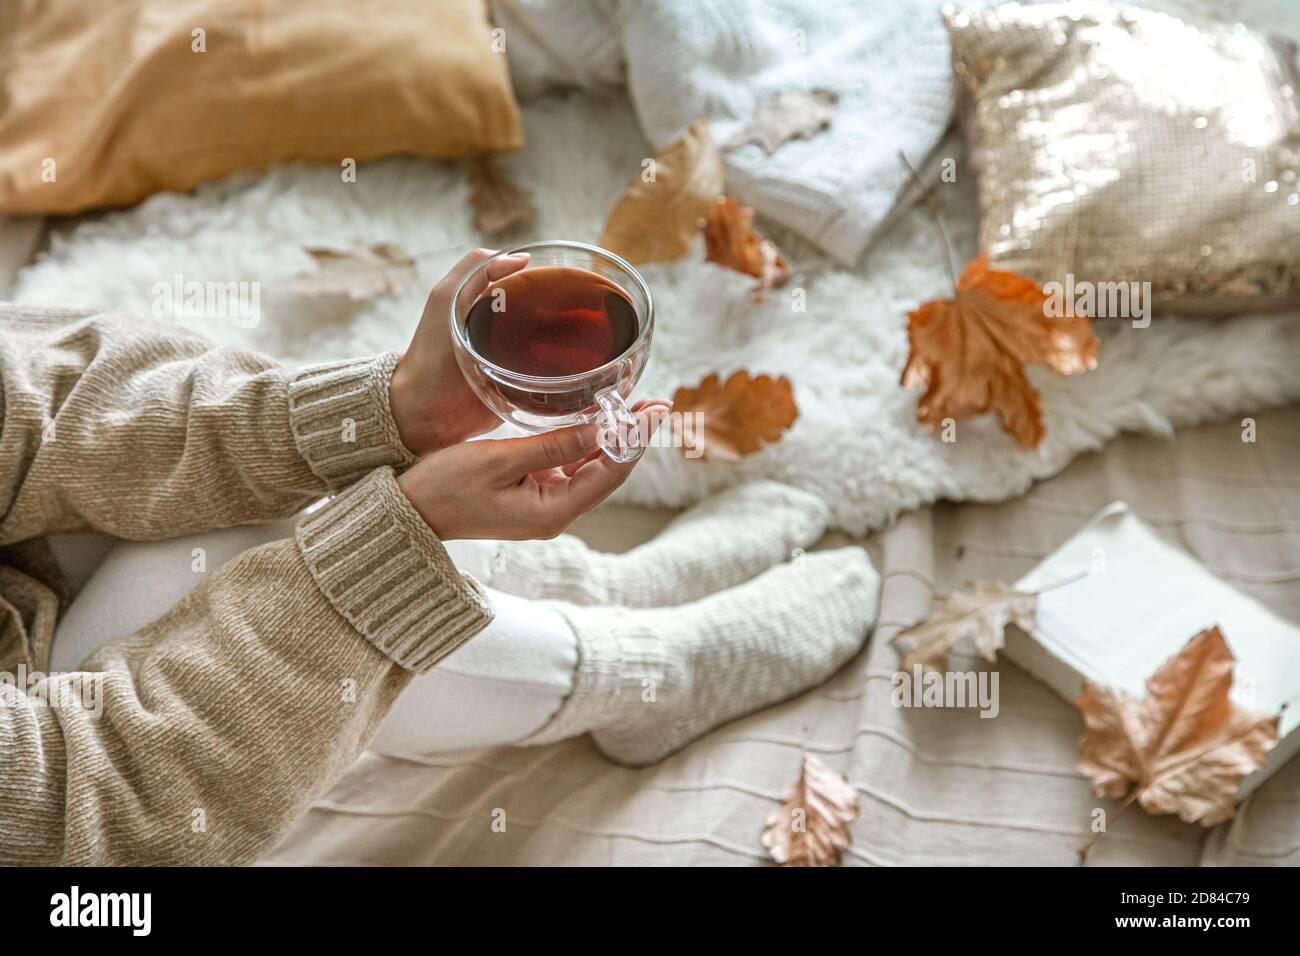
x,y
620,437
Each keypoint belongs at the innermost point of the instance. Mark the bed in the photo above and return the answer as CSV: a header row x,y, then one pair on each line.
x,y
938,787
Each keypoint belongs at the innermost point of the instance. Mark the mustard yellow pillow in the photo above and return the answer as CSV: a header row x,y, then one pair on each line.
x,y
104,103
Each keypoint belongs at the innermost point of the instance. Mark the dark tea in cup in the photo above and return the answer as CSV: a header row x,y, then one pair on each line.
x,y
552,322
561,340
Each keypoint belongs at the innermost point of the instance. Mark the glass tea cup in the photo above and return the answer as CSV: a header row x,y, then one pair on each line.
x,y
527,367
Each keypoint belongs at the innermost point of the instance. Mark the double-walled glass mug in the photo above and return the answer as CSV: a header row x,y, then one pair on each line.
x,y
562,341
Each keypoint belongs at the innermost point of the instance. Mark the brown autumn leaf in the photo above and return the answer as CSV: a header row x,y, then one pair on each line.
x,y
791,114
737,416
970,351
658,216
981,613
810,828
499,205
361,273
1185,747
730,240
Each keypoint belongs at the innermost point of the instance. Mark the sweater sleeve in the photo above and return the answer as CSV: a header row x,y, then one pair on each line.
x,y
199,739
143,430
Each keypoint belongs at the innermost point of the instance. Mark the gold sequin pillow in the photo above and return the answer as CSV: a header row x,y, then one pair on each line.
x,y
1117,145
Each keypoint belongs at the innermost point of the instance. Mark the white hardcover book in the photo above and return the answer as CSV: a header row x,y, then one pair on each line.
x,y
1139,600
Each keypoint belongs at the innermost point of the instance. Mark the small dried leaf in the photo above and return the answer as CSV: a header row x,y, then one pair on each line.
x,y
810,828
730,240
970,351
981,613
792,114
658,216
737,416
362,273
1185,747
499,205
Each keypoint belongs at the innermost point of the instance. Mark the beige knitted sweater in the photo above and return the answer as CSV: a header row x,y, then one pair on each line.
x,y
218,723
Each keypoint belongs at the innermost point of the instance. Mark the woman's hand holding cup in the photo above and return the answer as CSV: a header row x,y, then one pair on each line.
x,y
513,488
520,488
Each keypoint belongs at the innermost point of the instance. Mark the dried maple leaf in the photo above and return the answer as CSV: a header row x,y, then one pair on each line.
x,y
361,273
736,416
499,205
1185,747
810,828
730,240
792,114
658,216
970,351
981,613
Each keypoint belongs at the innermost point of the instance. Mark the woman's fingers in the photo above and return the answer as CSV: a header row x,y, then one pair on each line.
x,y
518,457
519,487
571,469
569,449
573,466
596,479
506,265
498,269
447,284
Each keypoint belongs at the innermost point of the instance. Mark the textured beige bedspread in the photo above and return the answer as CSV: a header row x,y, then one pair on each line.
x,y
938,787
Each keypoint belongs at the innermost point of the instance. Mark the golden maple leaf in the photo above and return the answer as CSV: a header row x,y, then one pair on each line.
x,y
790,114
1185,747
970,351
499,204
981,613
737,416
810,827
658,216
359,273
730,240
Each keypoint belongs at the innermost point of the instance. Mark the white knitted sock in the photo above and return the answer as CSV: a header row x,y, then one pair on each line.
x,y
722,541
650,681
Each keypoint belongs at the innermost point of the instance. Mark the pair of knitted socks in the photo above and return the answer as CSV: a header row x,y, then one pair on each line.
x,y
720,615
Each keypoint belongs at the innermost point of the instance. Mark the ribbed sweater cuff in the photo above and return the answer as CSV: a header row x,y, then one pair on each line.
x,y
382,568
342,421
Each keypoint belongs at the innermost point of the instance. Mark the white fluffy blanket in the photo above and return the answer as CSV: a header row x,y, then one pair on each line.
x,y
856,441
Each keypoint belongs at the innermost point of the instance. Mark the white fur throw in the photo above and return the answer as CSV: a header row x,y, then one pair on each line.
x,y
856,442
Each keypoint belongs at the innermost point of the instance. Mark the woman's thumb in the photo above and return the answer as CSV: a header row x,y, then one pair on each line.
x,y
552,449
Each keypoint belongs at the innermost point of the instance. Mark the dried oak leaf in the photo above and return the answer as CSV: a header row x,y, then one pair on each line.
x,y
730,240
658,216
981,613
736,416
791,114
1185,747
970,350
361,273
499,205
810,828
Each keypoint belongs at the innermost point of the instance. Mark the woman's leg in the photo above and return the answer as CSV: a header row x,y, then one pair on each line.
x,y
724,540
648,681
643,681
503,685
138,580
499,688
651,680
